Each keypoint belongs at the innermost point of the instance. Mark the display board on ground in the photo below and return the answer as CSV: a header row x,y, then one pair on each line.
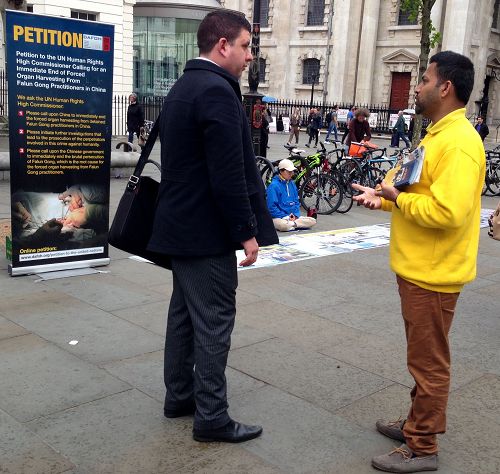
x,y
60,77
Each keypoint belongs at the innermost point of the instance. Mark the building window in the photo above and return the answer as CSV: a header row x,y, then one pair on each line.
x,y
404,18
262,70
496,17
264,13
315,12
311,71
29,8
83,15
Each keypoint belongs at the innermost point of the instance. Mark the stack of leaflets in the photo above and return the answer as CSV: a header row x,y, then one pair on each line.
x,y
408,172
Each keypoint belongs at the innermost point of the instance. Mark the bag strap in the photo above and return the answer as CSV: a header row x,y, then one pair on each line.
x,y
143,159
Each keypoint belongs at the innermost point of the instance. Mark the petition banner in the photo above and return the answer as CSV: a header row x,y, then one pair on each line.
x,y
60,78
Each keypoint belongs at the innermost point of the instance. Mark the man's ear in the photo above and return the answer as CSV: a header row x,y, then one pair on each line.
x,y
222,47
446,88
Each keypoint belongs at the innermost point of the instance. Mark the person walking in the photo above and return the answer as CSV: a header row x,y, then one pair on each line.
x,y
399,129
135,118
294,126
211,202
350,116
331,120
433,251
314,126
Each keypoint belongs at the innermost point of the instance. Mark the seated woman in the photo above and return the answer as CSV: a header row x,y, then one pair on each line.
x,y
283,201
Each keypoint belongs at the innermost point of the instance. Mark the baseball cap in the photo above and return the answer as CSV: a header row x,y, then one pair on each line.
x,y
286,165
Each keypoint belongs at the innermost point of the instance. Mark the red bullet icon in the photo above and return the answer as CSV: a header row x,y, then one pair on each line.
x,y
21,151
20,113
21,131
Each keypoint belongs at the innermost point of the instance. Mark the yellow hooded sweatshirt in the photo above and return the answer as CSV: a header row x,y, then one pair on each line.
x,y
435,224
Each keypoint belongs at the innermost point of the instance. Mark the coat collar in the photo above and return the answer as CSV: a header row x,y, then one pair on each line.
x,y
200,64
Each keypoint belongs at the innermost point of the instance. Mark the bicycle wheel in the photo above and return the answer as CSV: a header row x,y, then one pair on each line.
x,y
266,169
347,193
321,191
494,180
374,176
351,172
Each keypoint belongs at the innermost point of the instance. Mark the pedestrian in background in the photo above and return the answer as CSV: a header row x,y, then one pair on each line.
x,y
433,251
135,118
350,116
315,125
482,128
400,130
359,128
294,126
331,120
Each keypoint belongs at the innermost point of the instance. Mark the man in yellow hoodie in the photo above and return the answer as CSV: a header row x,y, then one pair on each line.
x,y
433,251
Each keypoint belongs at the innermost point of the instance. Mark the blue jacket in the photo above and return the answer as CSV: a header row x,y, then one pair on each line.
x,y
282,198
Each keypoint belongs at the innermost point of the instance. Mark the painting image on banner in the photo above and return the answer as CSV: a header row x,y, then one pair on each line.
x,y
60,77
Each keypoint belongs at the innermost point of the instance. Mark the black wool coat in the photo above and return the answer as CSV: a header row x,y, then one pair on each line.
x,y
211,195
135,117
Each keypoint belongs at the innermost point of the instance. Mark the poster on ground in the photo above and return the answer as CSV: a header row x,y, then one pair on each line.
x,y
60,78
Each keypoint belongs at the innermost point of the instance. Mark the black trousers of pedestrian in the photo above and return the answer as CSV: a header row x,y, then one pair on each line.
x,y
313,135
200,322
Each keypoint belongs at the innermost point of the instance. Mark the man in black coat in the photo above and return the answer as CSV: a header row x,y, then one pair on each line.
x,y
211,202
135,118
482,128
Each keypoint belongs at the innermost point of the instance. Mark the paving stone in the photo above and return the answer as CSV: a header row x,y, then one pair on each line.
x,y
101,336
123,433
300,437
300,327
151,316
9,329
22,287
145,372
291,294
106,291
384,319
231,460
23,452
321,380
245,335
136,271
387,358
471,440
39,378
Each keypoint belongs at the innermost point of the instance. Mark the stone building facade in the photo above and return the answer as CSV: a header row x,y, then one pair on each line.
x,y
366,51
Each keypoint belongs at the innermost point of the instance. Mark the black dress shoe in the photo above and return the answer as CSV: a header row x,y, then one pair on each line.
x,y
183,410
233,432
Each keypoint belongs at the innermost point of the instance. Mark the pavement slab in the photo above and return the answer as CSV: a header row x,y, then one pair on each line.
x,y
106,291
23,452
122,433
101,336
145,372
38,378
321,380
9,329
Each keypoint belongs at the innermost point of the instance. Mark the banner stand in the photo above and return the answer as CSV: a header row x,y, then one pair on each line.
x,y
60,86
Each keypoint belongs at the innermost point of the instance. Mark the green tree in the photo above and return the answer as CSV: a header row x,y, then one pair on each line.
x,y
420,10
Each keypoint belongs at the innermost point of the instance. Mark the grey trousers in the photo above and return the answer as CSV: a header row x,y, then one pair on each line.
x,y
200,322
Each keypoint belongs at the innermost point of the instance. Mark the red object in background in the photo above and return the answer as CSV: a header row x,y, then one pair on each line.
x,y
21,131
20,113
106,43
21,151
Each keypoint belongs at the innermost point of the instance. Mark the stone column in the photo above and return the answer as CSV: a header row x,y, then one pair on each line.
x,y
457,31
341,40
367,47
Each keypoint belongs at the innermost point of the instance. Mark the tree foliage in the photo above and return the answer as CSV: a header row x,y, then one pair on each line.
x,y
420,10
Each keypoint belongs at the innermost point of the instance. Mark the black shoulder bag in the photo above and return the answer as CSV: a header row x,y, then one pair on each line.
x,y
133,222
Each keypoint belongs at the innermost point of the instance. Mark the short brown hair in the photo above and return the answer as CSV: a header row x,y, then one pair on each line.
x,y
362,111
220,24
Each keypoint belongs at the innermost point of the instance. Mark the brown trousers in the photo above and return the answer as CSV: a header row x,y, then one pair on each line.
x,y
427,316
